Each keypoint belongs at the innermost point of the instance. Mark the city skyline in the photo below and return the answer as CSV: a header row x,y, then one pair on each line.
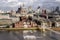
x,y
14,4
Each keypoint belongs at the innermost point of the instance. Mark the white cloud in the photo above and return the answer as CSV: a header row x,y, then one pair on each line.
x,y
14,3
10,3
12,0
58,0
29,2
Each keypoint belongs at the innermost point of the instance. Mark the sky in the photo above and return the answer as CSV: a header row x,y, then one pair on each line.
x,y
14,4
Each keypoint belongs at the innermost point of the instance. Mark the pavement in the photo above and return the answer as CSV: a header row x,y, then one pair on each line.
x,y
29,35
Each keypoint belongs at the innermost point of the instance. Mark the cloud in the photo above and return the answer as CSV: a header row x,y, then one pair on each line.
x,y
57,0
12,0
15,3
9,4
12,3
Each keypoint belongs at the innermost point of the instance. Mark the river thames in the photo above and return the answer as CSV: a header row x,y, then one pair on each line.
x,y
28,35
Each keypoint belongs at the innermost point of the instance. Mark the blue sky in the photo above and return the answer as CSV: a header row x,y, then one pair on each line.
x,y
14,4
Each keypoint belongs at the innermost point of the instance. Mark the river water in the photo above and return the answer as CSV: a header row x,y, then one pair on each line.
x,y
29,35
